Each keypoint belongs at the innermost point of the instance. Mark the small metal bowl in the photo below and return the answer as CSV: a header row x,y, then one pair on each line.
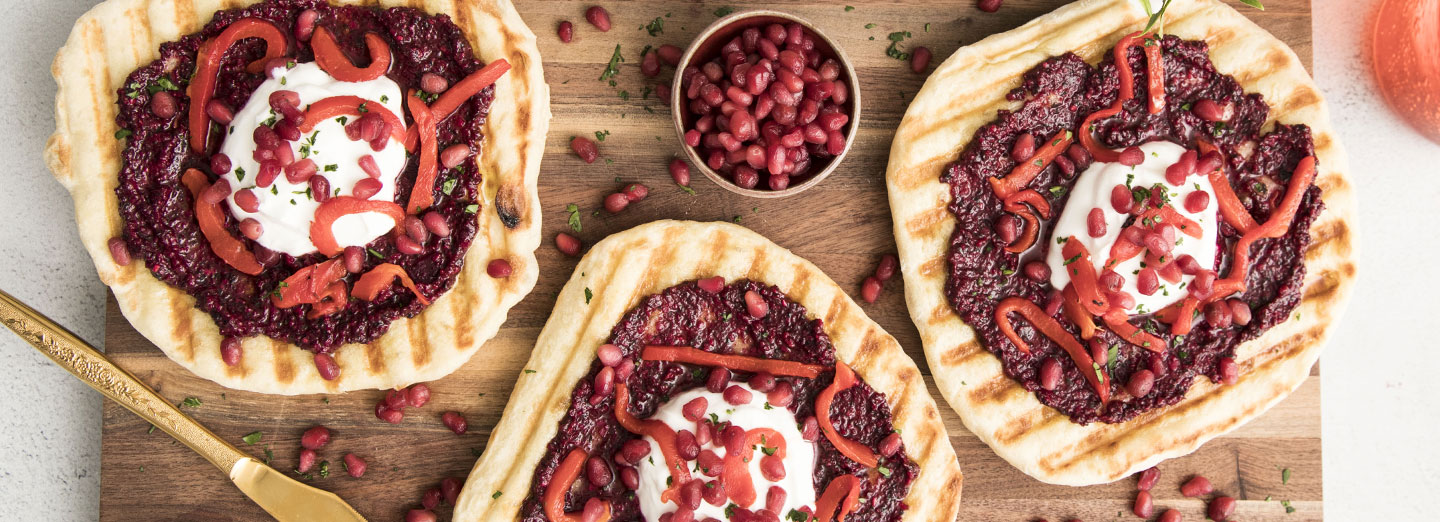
x,y
707,45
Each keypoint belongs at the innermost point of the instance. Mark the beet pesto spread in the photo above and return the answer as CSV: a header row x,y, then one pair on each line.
x,y
725,402
306,171
1128,226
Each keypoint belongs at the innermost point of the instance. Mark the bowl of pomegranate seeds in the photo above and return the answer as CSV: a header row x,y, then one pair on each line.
x,y
765,104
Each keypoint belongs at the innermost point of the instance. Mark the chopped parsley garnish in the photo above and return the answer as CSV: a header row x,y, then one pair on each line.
x,y
151,430
1057,191
588,295
796,515
496,494
375,253
240,173
341,120
190,402
331,167
722,12
1285,476
252,437
884,471
528,371
1113,357
449,185
601,135
1288,508
893,50
687,190
362,109
324,469
1073,259
655,27
574,221
472,208
870,26
849,8
384,98
613,67
122,134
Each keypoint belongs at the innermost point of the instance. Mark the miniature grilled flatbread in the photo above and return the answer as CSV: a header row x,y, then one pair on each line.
x,y
1004,408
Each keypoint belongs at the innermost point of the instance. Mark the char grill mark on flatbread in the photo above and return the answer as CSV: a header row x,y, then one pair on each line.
x,y
962,95
117,36
671,253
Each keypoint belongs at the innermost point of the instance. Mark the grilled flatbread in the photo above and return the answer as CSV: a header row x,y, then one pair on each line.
x,y
117,36
964,94
628,266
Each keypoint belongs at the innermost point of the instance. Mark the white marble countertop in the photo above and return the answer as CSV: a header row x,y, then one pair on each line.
x,y
1382,398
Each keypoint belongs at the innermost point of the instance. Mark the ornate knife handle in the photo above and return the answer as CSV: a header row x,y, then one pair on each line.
x,y
92,367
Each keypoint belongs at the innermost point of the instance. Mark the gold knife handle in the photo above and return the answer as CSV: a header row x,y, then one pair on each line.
x,y
91,366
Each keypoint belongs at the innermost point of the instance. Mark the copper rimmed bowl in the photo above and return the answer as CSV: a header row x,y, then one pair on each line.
x,y
707,46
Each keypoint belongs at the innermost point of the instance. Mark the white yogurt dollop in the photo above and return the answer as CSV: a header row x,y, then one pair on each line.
x,y
286,209
799,454
1092,190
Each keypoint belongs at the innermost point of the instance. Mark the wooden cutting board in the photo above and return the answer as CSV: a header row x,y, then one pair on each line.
x,y
843,225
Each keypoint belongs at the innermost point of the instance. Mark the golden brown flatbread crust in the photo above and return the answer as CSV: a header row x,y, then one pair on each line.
x,y
630,265
961,96
117,36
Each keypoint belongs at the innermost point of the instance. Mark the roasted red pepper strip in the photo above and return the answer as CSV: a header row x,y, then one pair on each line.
x,y
332,300
321,233
1276,226
1032,198
1155,73
736,475
1083,277
1121,251
1031,231
461,91
308,285
664,436
212,225
1180,316
207,69
1025,172
336,106
422,194
842,493
334,62
1051,328
1118,322
380,278
844,379
1077,314
1167,214
686,354
1231,210
1127,91
565,475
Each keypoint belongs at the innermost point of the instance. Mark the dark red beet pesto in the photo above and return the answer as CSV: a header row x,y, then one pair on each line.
x,y
1057,95
160,224
686,315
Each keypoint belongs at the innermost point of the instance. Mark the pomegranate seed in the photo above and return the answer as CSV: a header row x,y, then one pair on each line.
x,y
782,396
1144,505
265,256
1217,315
585,149
218,111
1196,487
598,17
1067,167
890,445
736,395
597,471
450,489
1024,148
594,510
694,410
388,415
1147,282
870,289
772,467
669,54
616,202
436,224
692,138
1221,508
1148,478
686,446
415,228
1111,281
367,164
366,188
300,171
1171,515
396,400
1197,201
220,164
251,228
713,284
1239,312
810,429
354,259
756,305
704,433
354,465
889,264
691,495
650,65
919,59
566,31
680,172
1176,174
230,351
1209,163
417,395
1188,265
567,244
1037,271
454,421
305,24
1131,156
1211,111
1007,228
162,105
604,384
1203,284
408,246
609,354
746,177
635,192
763,382
119,251
431,498
307,460
989,6
1229,371
710,463
454,155
315,438
1121,199
1095,222
630,478
1099,352
216,192
1140,383
635,449
775,499
325,365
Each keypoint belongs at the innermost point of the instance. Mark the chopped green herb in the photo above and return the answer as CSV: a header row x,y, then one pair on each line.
x,y
1057,191
252,438
655,27
1285,476
687,190
1288,508
601,135
613,67
190,402
849,8
449,185
269,455
240,173
724,11
331,167
375,253
574,221
151,430
588,295
384,98
527,370
472,208
893,50
884,471
870,26
496,494
927,27
341,120
323,469
122,134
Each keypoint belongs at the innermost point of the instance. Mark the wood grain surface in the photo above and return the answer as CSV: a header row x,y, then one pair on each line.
x,y
842,225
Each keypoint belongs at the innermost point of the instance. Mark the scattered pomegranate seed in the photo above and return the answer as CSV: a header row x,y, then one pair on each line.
x,y
1141,382
1121,199
566,31
315,438
1037,271
1007,228
218,111
890,445
1211,111
650,65
162,105
1239,312
669,54
230,351
870,289
388,415
1229,371
887,267
718,379
919,59
305,24
635,192
431,498
1171,515
1024,148
454,155
989,6
587,150
119,251
616,202
1197,201
598,17
397,399
1144,505
782,396
756,305
1049,373
763,382
454,421
1131,156
1221,508
325,365
1175,174
307,460
737,396
686,446
354,465
1197,486
680,172
1095,222
450,489
567,244
1217,314
1148,478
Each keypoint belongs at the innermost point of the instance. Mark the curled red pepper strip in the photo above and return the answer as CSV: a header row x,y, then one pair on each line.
x,y
664,436
1083,277
1025,172
461,91
1077,314
565,475
207,69
1231,210
1155,73
212,225
844,379
309,285
1118,322
1033,198
336,106
321,233
380,277
842,493
1180,316
1121,251
686,354
332,300
334,62
1127,91
1029,233
1276,226
422,194
1051,328
736,475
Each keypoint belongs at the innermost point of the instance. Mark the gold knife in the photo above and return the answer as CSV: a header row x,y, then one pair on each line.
x,y
284,498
